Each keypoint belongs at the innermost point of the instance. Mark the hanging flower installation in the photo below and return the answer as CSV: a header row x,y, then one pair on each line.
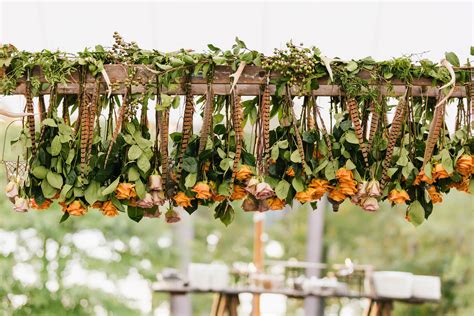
x,y
95,149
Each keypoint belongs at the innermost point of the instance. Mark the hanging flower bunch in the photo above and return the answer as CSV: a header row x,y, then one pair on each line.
x,y
100,149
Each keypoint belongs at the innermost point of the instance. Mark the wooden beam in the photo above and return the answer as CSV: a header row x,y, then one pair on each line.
x,y
249,83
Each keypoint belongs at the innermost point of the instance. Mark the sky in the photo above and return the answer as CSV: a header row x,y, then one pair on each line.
x,y
347,29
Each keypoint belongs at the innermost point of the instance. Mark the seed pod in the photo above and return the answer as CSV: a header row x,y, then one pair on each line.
x,y
31,118
352,108
187,129
118,125
394,134
207,119
237,124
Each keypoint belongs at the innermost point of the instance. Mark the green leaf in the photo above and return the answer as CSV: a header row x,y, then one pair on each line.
x,y
224,189
402,161
40,172
134,152
116,202
295,157
140,189
283,144
56,146
350,165
135,213
416,213
452,58
330,171
298,184
190,164
320,167
111,188
427,170
64,217
282,189
48,191
143,163
447,161
92,192
275,152
133,174
226,163
49,122
351,137
64,191
54,179
190,180
351,66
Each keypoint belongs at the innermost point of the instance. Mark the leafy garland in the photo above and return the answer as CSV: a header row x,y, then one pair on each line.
x,y
118,166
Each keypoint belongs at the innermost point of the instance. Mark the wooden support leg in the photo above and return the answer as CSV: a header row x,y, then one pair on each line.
x,y
379,308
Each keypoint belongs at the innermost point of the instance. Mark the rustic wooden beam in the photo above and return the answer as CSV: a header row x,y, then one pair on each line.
x,y
249,83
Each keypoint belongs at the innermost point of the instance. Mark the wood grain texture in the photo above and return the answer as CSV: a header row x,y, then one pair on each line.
x,y
249,83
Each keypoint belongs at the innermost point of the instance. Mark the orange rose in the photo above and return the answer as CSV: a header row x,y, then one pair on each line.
x,y
203,191
305,196
348,188
218,197
43,206
337,195
182,199
462,186
76,208
97,204
239,193
464,165
435,195
422,177
109,209
244,173
290,172
398,197
320,187
439,172
344,175
125,191
275,203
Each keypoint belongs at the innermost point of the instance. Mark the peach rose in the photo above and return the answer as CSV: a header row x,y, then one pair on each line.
x,y
108,209
244,173
370,204
464,165
46,204
422,177
435,195
239,193
250,204
172,216
344,175
337,196
11,190
373,189
398,197
290,172
252,186
158,197
76,208
182,199
462,186
439,172
203,191
264,191
21,205
305,196
275,203
125,191
155,183
146,202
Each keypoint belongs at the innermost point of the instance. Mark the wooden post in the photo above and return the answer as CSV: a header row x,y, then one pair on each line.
x,y
257,256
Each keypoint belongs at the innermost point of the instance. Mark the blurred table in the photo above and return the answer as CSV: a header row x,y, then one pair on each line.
x,y
227,300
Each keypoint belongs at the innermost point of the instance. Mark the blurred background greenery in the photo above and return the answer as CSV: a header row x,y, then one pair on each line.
x,y
98,265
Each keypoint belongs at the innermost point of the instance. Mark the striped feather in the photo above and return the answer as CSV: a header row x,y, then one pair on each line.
x,y
237,124
118,125
31,118
353,110
187,130
394,134
433,135
207,119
